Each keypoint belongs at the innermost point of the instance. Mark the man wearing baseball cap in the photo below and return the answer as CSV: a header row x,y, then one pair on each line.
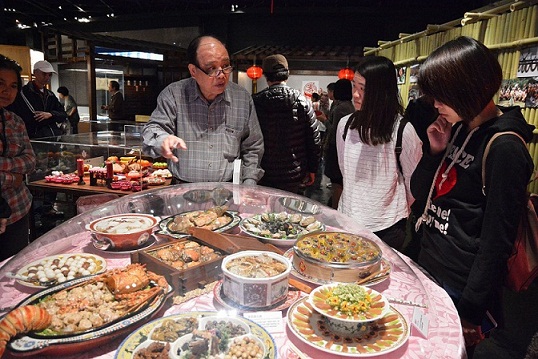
x,y
43,115
44,66
39,108
290,130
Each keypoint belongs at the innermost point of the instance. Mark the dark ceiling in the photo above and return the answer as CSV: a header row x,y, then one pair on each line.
x,y
252,23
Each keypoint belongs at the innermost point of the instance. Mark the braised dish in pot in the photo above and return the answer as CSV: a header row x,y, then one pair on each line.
x,y
336,256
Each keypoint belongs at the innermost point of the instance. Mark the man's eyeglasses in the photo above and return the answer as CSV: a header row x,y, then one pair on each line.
x,y
216,72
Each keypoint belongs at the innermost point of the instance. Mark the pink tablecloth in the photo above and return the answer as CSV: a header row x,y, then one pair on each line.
x,y
443,340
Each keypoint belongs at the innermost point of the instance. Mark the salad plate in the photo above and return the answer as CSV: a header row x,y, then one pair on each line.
x,y
349,302
372,339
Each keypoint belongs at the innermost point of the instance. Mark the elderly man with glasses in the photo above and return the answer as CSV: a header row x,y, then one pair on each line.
x,y
204,123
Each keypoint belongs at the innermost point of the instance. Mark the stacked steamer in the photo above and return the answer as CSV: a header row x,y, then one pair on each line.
x,y
336,257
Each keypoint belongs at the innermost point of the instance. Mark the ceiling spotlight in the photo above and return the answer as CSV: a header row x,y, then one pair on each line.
x,y
60,7
21,26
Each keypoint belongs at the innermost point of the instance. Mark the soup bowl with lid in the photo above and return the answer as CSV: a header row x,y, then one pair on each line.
x,y
256,279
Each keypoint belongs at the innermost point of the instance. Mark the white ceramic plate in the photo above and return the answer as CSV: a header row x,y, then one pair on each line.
x,y
99,262
250,226
377,338
163,225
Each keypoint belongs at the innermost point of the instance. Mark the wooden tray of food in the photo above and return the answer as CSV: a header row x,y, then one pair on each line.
x,y
185,263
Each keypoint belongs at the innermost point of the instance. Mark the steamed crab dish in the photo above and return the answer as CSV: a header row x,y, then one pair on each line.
x,y
213,218
281,225
256,266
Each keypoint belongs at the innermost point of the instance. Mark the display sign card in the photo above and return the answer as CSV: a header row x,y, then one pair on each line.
x,y
95,161
271,321
421,322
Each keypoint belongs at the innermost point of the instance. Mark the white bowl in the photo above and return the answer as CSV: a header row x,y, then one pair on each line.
x,y
378,309
255,292
123,231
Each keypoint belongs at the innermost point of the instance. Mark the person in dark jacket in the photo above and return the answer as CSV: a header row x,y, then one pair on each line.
x,y
43,116
290,130
40,109
468,230
341,107
115,106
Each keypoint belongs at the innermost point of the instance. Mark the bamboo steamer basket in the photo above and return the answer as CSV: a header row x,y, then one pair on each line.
x,y
320,267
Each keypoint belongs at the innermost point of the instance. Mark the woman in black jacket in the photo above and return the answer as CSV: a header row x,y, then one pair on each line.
x,y
469,230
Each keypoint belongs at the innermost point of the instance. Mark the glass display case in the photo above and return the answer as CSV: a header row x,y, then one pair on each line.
x,y
413,295
60,153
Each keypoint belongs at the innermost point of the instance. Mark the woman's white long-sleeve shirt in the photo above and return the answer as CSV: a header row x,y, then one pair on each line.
x,y
375,193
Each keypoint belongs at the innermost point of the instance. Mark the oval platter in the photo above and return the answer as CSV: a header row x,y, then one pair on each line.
x,y
99,262
30,345
377,338
138,338
253,225
163,225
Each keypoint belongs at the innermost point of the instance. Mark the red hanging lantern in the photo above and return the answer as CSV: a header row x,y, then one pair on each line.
x,y
254,72
346,73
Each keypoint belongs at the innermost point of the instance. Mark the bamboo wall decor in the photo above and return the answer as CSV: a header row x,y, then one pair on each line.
x,y
505,28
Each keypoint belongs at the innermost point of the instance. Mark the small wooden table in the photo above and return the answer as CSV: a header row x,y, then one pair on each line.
x,y
78,190
73,192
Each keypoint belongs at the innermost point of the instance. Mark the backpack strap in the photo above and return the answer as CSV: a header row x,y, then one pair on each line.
x,y
399,138
486,152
